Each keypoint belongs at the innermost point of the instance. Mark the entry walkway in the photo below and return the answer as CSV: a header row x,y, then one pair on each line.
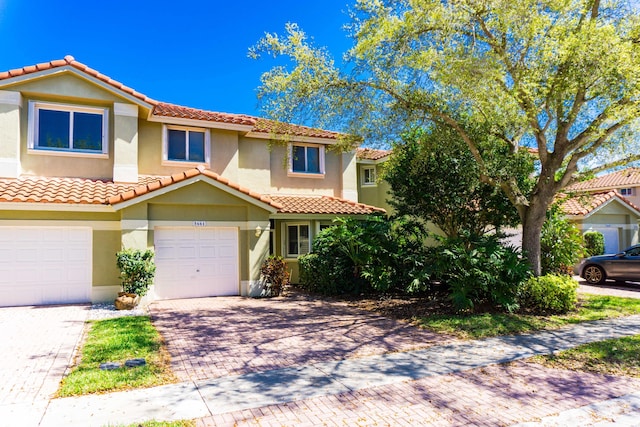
x,y
219,401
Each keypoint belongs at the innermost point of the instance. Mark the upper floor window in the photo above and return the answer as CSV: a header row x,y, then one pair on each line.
x,y
67,128
368,175
306,159
626,191
183,144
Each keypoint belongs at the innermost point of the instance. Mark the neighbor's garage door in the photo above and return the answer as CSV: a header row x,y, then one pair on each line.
x,y
45,265
196,262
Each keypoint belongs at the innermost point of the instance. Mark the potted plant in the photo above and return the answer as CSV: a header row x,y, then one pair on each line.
x,y
137,271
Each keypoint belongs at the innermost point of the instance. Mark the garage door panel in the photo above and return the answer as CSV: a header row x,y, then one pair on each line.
x,y
45,265
190,262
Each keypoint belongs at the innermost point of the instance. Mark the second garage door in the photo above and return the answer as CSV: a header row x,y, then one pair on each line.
x,y
196,262
45,265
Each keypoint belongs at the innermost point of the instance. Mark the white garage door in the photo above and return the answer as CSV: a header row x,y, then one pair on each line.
x,y
45,265
196,262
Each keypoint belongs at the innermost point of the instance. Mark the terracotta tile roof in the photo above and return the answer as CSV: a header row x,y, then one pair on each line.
x,y
163,109
70,61
584,203
82,191
629,177
371,154
59,190
322,205
270,126
161,182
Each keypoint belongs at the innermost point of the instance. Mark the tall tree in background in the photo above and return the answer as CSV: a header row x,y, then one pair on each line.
x,y
433,176
561,76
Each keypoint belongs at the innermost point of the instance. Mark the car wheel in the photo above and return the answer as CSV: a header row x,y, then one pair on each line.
x,y
594,275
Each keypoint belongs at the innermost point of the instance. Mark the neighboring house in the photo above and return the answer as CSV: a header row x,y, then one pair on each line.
x,y
89,166
372,190
608,204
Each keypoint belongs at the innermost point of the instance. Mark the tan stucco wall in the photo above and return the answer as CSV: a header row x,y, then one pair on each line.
x,y
224,154
254,162
10,104
50,163
375,195
329,185
105,246
66,87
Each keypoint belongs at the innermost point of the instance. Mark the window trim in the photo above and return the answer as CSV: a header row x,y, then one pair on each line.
x,y
33,121
165,146
624,190
375,176
321,160
285,238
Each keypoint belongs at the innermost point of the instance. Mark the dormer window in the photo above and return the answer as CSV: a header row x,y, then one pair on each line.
x,y
306,160
185,144
67,128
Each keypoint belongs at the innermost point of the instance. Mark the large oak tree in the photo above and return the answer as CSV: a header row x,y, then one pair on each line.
x,y
560,76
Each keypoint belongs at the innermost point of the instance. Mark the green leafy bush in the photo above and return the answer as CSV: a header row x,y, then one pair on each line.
x,y
480,271
275,275
137,270
372,254
560,244
593,243
550,293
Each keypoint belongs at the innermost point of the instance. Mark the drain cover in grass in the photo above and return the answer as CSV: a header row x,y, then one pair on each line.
x,y
109,366
131,363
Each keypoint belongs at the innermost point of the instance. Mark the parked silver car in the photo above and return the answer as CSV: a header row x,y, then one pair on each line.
x,y
621,266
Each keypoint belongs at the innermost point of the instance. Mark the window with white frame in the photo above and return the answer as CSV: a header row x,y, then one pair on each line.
x,y
184,144
306,159
368,175
297,240
67,128
626,191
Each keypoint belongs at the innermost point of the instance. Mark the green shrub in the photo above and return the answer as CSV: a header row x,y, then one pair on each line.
x,y
137,270
371,254
275,275
593,243
560,244
480,271
550,294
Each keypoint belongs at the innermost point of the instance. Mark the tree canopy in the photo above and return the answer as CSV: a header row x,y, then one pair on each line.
x,y
559,76
433,176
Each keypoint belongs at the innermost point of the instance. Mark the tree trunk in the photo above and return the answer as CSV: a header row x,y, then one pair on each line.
x,y
534,218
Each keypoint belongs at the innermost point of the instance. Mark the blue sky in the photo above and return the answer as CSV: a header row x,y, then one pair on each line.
x,y
192,53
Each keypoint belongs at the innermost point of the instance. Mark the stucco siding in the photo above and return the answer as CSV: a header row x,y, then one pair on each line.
x,y
329,185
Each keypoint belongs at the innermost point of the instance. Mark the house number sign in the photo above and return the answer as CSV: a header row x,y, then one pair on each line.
x,y
199,223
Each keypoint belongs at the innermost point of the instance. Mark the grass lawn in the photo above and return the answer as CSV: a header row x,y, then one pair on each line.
x,y
117,340
613,357
590,307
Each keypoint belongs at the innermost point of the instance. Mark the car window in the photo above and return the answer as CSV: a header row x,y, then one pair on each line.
x,y
633,252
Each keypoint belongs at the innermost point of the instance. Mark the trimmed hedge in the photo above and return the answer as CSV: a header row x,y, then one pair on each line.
x,y
550,293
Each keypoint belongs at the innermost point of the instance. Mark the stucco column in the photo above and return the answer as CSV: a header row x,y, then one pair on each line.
x,y
10,103
258,251
349,176
125,143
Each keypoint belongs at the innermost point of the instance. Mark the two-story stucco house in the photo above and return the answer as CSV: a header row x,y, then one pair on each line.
x,y
89,166
608,204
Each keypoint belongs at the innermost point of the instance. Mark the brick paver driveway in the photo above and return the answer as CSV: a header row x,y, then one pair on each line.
x,y
215,337
36,346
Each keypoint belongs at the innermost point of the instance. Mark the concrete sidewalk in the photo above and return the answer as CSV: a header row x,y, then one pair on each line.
x,y
189,400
